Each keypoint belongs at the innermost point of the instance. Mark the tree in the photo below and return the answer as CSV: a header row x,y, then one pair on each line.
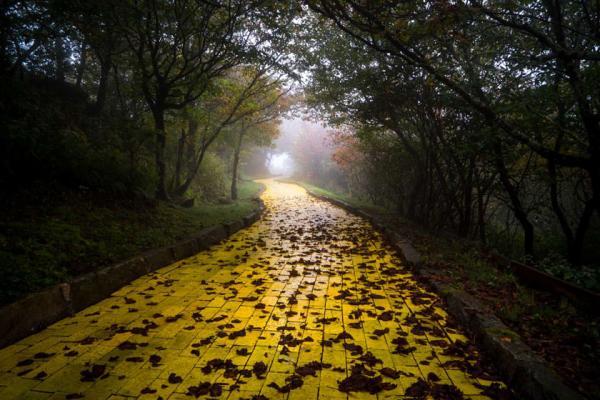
x,y
489,55
179,49
98,30
259,127
246,93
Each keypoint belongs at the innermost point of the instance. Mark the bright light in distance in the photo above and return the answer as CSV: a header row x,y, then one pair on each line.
x,y
280,164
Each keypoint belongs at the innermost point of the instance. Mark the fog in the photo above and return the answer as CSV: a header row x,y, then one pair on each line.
x,y
281,164
299,140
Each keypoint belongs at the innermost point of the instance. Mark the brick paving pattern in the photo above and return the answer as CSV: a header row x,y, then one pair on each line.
x,y
308,303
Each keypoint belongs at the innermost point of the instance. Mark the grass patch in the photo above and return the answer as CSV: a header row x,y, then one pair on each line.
x,y
72,233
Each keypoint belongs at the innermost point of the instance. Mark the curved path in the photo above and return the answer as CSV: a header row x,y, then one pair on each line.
x,y
306,303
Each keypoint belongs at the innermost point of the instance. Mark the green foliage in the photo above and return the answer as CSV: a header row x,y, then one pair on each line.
x,y
90,118
211,182
584,276
549,257
62,239
479,270
486,135
49,135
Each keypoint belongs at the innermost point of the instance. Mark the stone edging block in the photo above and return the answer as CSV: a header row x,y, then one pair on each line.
x,y
92,287
158,258
520,366
251,218
38,310
234,226
209,236
31,313
185,249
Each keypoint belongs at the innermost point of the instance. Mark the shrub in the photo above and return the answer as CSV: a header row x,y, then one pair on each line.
x,y
212,182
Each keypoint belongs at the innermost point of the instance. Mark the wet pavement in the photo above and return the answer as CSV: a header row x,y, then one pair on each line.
x,y
308,303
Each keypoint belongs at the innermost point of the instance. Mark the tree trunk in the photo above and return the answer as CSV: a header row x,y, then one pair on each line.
x,y
105,65
82,65
575,239
59,59
516,204
193,172
179,161
159,152
575,250
467,213
236,161
481,216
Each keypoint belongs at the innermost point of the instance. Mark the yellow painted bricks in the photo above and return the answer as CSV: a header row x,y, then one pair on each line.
x,y
307,303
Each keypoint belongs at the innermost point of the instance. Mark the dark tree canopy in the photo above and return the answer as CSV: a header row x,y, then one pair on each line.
x,y
481,118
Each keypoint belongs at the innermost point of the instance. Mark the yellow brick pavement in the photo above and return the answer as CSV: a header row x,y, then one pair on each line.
x,y
308,303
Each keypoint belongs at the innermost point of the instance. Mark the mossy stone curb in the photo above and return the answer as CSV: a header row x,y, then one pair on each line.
x,y
525,371
38,310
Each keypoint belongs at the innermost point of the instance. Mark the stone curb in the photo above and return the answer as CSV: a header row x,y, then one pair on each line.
x,y
525,372
38,310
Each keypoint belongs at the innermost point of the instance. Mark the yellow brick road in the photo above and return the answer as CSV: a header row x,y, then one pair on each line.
x,y
308,303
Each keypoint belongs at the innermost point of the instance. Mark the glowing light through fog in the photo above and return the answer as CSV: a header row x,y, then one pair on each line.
x,y
280,164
